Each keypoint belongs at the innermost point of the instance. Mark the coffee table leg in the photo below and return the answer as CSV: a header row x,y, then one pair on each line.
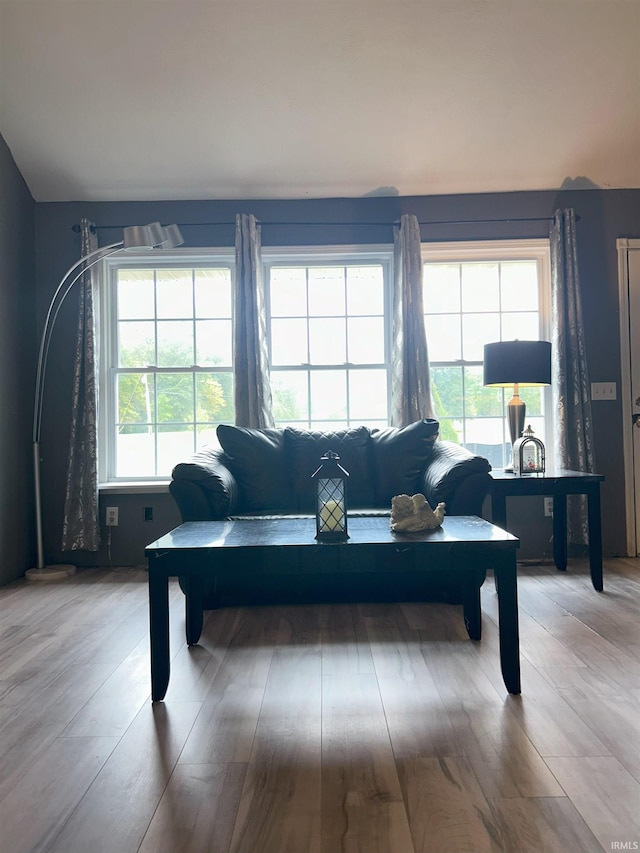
x,y
471,605
505,570
159,631
193,608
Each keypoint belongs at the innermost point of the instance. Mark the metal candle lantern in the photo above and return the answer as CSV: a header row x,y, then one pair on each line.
x,y
528,454
331,504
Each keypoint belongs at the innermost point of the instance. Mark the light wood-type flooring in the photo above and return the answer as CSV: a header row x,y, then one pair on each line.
x,y
378,728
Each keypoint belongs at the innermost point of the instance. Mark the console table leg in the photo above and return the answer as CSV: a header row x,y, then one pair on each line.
x,y
595,537
505,570
159,632
560,532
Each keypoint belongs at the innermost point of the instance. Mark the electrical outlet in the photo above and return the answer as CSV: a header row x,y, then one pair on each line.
x,y
548,507
148,513
112,516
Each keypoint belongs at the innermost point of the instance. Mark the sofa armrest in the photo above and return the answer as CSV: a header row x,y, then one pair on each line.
x,y
457,477
204,488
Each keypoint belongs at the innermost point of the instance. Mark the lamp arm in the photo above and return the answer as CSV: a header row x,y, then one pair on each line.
x,y
58,298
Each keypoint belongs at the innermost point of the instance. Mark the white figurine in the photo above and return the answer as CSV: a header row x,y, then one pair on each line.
x,y
412,514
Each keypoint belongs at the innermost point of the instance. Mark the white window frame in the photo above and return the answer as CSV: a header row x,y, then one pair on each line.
x,y
537,249
306,256
107,344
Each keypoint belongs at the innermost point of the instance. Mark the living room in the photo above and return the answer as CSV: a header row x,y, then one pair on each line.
x,y
495,167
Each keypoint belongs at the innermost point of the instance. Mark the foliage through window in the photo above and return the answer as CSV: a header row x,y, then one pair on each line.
x,y
166,356
170,356
328,330
473,294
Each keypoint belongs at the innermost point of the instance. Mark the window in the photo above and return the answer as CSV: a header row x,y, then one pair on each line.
x,y
329,337
166,380
166,377
475,293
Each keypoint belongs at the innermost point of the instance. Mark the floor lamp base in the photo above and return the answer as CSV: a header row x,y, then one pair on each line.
x,y
50,573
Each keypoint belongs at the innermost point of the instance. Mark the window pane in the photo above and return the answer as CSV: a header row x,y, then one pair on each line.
x,y
366,340
213,293
519,280
365,290
175,344
443,337
175,397
135,399
173,444
290,392
533,398
479,400
213,342
451,430
136,294
478,330
174,293
367,395
289,342
288,292
136,454
214,398
446,388
480,287
327,341
329,395
441,288
326,291
525,327
136,344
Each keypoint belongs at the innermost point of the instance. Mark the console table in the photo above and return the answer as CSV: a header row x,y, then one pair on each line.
x,y
465,546
558,484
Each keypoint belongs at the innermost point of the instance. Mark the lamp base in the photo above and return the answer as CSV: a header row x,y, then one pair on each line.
x,y
51,573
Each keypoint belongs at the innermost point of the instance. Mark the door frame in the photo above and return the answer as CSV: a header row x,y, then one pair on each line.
x,y
624,244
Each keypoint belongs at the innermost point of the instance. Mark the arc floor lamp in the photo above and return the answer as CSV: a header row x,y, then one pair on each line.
x,y
152,236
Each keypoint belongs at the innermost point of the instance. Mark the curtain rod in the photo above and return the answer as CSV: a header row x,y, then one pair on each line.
x,y
335,224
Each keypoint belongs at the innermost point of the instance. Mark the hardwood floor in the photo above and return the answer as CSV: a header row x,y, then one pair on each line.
x,y
320,728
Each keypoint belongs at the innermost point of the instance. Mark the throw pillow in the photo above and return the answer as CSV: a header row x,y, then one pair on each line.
x,y
256,460
400,455
304,448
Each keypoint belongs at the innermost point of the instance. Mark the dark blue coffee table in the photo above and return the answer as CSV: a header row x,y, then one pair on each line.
x,y
464,546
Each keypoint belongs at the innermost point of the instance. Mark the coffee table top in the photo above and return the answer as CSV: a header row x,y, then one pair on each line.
x,y
283,531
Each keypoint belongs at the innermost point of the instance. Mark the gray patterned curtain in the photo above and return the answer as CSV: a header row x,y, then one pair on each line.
x,y
410,381
252,389
569,378
81,528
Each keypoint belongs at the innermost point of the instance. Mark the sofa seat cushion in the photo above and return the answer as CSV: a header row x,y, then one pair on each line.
x,y
304,449
257,461
400,456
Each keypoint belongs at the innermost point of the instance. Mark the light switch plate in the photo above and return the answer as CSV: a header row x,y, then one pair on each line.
x,y
603,390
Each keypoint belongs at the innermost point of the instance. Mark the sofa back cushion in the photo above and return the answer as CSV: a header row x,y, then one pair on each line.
x,y
257,461
303,450
400,456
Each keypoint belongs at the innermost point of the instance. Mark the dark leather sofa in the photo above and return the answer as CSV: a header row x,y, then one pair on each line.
x,y
268,472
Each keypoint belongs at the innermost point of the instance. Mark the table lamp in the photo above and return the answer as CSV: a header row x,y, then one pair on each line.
x,y
523,364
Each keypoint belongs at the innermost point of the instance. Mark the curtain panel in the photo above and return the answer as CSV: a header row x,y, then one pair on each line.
x,y
573,447
410,377
81,527
252,388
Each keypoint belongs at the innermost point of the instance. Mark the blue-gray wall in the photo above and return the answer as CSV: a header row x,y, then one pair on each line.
x,y
17,323
604,216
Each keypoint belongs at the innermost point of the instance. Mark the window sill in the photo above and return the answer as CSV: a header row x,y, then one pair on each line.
x,y
134,486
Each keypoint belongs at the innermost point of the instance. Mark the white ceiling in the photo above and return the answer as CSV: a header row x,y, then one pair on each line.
x,y
175,99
